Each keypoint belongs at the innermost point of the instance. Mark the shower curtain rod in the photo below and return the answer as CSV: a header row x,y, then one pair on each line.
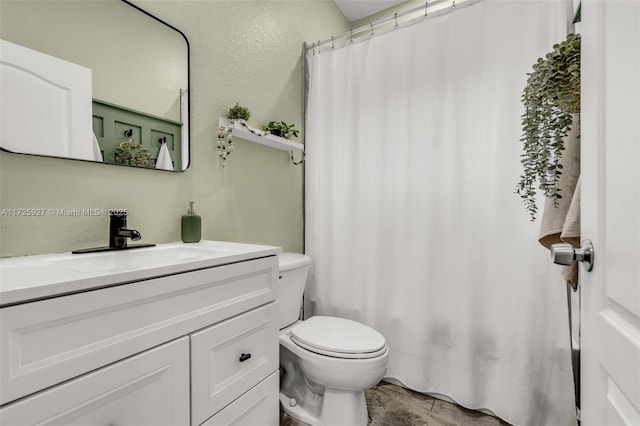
x,y
369,29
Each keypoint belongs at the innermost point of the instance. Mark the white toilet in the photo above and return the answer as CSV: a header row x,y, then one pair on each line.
x,y
326,363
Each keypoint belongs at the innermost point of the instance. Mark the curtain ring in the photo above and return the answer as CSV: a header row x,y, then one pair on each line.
x,y
396,18
351,35
453,4
333,44
371,25
426,6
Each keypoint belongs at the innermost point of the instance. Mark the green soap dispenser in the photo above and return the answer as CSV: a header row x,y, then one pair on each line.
x,y
191,226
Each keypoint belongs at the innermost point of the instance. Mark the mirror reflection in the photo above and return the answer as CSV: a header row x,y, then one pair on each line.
x,y
93,80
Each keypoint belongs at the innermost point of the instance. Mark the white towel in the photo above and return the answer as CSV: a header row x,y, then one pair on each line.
x,y
164,158
562,223
97,154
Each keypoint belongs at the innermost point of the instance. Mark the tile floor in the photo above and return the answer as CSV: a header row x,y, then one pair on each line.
x,y
391,405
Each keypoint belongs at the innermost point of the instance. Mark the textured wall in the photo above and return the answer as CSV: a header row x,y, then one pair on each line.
x,y
241,51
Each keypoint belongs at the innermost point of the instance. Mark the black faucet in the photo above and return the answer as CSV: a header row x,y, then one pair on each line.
x,y
118,232
118,235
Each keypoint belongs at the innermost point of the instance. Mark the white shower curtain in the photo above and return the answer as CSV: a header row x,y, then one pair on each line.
x,y
412,150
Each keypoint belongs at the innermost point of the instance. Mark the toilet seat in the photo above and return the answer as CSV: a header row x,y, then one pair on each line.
x,y
338,337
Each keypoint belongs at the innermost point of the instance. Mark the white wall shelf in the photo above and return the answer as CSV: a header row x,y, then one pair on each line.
x,y
273,141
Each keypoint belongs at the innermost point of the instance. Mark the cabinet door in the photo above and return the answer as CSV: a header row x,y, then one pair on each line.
x,y
259,406
151,388
230,358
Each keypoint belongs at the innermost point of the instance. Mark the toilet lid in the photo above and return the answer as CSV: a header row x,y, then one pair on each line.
x,y
338,337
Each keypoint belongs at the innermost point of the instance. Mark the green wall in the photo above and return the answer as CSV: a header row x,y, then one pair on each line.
x,y
241,51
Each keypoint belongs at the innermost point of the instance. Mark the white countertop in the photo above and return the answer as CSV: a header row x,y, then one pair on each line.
x,y
35,277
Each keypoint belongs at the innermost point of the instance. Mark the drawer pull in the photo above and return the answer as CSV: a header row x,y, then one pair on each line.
x,y
244,357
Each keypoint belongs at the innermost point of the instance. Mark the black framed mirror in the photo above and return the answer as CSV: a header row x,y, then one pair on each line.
x,y
139,83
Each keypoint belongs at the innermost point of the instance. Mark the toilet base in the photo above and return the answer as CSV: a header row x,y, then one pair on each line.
x,y
338,407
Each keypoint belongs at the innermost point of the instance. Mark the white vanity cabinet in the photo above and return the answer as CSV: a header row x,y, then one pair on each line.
x,y
187,348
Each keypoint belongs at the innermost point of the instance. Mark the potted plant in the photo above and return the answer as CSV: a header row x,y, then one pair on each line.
x,y
280,128
551,97
133,154
238,113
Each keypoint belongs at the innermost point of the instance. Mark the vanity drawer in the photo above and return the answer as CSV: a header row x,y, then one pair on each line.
x,y
259,406
230,358
49,341
149,389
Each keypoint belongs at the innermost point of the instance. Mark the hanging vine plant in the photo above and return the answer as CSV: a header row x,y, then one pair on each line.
x,y
551,97
225,142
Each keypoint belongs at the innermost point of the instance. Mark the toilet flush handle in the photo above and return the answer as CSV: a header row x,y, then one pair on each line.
x,y
244,357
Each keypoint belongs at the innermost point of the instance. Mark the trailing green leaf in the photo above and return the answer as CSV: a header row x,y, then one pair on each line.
x,y
551,96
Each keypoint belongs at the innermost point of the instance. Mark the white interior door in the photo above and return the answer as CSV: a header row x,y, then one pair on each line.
x,y
44,99
610,311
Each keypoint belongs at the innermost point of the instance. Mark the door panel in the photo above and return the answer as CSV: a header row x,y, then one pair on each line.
x,y
44,99
610,311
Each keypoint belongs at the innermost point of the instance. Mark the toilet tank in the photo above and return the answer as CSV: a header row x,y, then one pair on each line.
x,y
293,270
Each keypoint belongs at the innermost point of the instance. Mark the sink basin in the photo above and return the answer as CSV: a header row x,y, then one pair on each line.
x,y
43,276
142,258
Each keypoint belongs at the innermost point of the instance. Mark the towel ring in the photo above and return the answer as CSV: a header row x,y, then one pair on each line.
x,y
294,161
